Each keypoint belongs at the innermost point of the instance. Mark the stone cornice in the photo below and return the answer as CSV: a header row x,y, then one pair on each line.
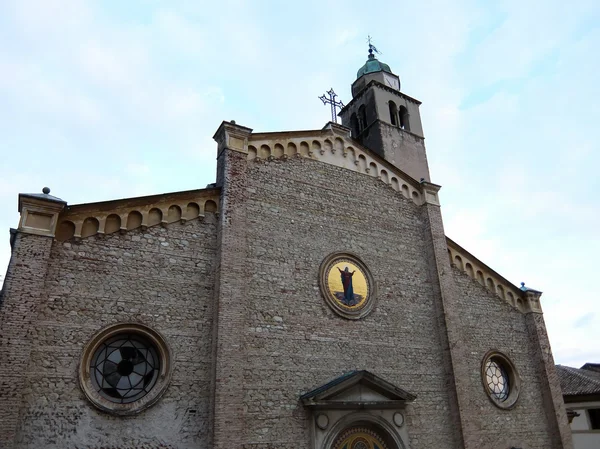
x,y
525,301
39,213
232,136
107,217
110,205
333,145
381,86
339,131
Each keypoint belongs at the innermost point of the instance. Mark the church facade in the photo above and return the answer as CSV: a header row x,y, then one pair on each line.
x,y
307,299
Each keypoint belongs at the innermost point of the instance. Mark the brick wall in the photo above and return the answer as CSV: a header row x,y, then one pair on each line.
x,y
239,304
298,212
161,277
23,290
489,323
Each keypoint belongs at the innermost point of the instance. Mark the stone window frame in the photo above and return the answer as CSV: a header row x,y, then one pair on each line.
x,y
514,379
327,263
159,388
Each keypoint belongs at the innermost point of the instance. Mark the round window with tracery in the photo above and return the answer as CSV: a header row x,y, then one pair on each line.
x,y
125,368
497,380
500,379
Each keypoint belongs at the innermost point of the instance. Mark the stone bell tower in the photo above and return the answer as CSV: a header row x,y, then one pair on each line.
x,y
385,120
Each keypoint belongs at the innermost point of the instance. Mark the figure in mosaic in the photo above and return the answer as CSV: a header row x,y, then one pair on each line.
x,y
347,283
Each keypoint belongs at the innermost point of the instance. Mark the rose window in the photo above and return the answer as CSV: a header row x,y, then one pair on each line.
x,y
124,368
497,381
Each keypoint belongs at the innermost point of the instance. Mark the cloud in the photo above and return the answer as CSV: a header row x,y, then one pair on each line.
x,y
120,102
584,320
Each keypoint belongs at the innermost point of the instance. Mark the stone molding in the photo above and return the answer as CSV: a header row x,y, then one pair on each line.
x,y
39,213
357,398
532,303
333,146
487,277
232,136
85,220
430,192
381,86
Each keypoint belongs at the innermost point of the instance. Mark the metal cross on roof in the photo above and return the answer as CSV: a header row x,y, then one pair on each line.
x,y
334,104
372,47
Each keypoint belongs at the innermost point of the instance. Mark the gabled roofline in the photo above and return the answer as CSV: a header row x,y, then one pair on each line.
x,y
340,129
136,201
321,396
456,246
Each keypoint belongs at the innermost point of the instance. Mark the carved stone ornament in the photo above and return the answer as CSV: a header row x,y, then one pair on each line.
x,y
399,419
322,421
347,285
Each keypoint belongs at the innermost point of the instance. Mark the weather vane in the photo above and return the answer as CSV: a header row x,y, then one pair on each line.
x,y
334,104
372,47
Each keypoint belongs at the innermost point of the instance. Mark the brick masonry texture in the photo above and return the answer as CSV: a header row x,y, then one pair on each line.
x,y
298,212
488,323
161,277
23,289
236,297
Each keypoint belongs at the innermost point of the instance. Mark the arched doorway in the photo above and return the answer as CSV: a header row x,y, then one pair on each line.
x,y
361,437
375,419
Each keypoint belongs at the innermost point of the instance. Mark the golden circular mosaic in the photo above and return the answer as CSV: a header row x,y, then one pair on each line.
x,y
347,285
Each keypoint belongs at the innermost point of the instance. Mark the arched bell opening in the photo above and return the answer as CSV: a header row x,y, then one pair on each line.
x,y
404,118
354,125
362,118
393,113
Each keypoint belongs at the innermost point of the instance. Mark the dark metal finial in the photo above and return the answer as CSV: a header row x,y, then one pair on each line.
x,y
46,190
372,48
334,104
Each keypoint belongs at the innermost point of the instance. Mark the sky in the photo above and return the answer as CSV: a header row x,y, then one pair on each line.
x,y
112,99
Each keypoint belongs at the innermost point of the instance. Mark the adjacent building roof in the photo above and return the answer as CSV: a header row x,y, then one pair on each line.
x,y
577,381
592,367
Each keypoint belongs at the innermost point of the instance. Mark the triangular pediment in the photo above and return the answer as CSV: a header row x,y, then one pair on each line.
x,y
360,389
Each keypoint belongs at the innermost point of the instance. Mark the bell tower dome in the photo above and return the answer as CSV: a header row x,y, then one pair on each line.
x,y
386,120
